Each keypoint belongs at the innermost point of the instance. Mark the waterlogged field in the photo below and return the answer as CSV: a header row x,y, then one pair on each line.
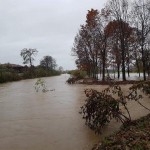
x,y
132,76
31,120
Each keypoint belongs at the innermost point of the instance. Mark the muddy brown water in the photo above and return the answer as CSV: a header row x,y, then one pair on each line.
x,y
31,120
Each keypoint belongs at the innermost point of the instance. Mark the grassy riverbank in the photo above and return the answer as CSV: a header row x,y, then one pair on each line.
x,y
8,75
135,136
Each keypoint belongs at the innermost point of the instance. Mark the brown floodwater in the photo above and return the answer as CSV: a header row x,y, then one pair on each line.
x,y
31,120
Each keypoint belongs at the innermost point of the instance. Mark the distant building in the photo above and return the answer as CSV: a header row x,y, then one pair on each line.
x,y
15,67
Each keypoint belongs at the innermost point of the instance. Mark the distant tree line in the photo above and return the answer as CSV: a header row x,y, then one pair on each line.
x,y
116,37
13,72
47,66
28,55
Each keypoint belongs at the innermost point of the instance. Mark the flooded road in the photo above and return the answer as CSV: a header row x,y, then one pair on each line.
x,y
31,120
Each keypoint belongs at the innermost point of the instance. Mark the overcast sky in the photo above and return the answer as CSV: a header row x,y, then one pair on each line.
x,y
47,25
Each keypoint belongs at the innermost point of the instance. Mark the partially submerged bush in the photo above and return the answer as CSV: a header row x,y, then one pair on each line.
x,y
101,107
143,86
78,74
40,85
71,80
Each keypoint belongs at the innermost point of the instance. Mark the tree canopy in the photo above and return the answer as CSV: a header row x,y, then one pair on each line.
x,y
116,37
48,62
28,55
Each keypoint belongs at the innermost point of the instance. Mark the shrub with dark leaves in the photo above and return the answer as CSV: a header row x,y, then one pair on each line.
x,y
101,107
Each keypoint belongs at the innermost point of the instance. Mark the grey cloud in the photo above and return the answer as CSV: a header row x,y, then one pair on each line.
x,y
48,25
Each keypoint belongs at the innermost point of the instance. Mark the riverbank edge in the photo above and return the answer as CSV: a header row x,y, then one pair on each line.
x,y
20,79
92,81
134,136
111,82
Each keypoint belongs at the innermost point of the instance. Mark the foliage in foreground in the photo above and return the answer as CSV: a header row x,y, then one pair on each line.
x,y
101,107
135,137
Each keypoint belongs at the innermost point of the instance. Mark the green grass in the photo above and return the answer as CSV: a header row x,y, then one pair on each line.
x,y
11,75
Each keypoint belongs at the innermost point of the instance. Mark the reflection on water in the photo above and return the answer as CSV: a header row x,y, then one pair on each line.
x,y
31,120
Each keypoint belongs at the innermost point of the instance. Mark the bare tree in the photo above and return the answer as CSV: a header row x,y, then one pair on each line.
x,y
119,12
91,43
141,18
28,55
85,45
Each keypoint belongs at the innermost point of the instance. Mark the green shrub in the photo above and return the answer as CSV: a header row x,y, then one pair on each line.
x,y
39,72
9,76
78,74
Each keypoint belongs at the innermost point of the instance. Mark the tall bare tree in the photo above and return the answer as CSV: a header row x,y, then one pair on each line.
x,y
119,11
141,18
28,55
85,45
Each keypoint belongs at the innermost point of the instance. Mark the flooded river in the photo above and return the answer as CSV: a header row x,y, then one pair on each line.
x,y
31,120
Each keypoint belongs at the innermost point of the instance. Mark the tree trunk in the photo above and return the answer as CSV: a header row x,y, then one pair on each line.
x,y
123,52
128,70
138,67
118,69
103,66
123,64
143,54
144,66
